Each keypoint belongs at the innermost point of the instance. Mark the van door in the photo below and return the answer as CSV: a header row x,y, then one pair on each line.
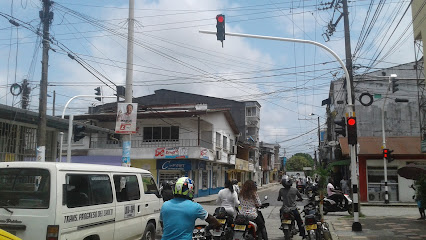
x,y
88,208
129,221
152,197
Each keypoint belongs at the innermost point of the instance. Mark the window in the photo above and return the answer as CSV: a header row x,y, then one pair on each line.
x,y
149,185
204,180
24,188
214,179
87,189
251,112
157,134
126,188
231,145
225,143
218,140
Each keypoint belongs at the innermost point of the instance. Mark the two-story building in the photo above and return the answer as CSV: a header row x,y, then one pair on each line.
x,y
171,141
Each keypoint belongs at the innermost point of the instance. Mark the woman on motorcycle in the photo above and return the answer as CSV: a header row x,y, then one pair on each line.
x,y
249,202
228,199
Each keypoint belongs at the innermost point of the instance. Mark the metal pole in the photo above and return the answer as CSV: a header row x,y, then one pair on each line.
x,y
129,80
41,128
54,102
61,134
69,138
319,141
385,162
356,226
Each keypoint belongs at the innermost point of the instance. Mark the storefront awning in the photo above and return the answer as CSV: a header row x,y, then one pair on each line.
x,y
340,163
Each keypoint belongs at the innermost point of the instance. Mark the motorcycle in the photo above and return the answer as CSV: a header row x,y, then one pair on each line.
x,y
245,229
200,233
312,221
288,223
331,206
224,218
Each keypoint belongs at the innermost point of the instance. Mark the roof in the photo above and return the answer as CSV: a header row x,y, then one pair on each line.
x,y
72,166
402,146
26,116
111,117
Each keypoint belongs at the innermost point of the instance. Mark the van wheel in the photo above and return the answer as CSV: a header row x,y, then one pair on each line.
x,y
149,233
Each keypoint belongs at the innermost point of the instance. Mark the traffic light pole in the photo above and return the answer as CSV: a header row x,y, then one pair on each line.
x,y
61,134
356,226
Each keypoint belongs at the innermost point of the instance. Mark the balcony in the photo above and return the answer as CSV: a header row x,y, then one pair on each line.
x,y
137,143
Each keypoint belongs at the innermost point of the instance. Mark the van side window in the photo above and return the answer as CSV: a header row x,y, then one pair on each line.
x,y
88,189
149,185
126,188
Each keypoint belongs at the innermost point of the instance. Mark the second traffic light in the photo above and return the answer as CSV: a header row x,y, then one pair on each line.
x,y
220,27
387,154
342,129
79,133
98,92
352,135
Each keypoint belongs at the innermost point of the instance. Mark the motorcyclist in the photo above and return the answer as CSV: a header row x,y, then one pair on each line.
x,y
288,195
235,186
177,216
228,199
334,194
166,191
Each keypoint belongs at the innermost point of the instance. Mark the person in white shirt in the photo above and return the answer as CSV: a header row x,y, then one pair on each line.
x,y
334,194
236,187
228,199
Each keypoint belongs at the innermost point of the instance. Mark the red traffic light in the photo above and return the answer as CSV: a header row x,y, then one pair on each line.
x,y
385,153
351,121
219,18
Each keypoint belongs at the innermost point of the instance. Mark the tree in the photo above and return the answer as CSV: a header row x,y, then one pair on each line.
x,y
297,162
307,156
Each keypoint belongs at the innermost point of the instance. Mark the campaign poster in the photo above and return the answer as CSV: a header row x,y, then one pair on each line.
x,y
126,118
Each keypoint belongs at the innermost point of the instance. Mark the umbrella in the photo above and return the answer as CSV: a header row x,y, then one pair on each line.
x,y
411,171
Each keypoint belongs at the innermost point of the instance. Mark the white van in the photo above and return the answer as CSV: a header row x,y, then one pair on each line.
x,y
70,201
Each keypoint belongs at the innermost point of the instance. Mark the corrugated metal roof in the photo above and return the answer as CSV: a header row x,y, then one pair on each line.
x,y
373,146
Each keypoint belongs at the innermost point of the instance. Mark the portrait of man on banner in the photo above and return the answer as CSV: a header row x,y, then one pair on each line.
x,y
126,118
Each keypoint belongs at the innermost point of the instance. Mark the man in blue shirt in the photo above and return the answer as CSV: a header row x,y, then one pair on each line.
x,y
178,215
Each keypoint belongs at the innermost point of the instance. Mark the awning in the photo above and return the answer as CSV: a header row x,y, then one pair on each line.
x,y
340,163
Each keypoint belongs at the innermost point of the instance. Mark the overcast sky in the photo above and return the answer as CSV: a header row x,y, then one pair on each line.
x,y
289,80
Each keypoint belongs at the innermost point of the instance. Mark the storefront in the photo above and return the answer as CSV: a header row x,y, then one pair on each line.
x,y
171,169
240,171
147,164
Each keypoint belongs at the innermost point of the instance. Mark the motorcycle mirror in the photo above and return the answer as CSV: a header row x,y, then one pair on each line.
x,y
266,197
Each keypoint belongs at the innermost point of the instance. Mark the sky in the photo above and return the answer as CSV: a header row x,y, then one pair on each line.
x,y
289,80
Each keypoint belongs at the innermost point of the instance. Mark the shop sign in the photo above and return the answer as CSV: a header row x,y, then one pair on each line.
x,y
204,153
171,152
174,165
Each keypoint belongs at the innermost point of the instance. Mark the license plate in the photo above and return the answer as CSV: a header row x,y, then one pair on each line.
x,y
240,227
286,221
217,233
221,221
311,227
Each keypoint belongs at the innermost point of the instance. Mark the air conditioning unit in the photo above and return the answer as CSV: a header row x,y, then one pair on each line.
x,y
218,155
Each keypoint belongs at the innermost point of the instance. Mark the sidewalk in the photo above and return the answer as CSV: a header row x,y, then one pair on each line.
x,y
391,204
213,197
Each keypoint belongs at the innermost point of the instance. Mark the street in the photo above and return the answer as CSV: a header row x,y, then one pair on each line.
x,y
379,222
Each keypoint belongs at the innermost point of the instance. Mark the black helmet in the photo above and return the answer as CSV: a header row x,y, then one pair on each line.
x,y
287,182
234,181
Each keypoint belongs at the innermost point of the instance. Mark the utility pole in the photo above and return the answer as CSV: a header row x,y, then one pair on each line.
x,y
348,50
46,17
129,81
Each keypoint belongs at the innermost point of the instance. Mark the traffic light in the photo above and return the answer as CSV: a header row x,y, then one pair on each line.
x,y
220,27
393,81
79,132
352,136
387,154
342,129
98,92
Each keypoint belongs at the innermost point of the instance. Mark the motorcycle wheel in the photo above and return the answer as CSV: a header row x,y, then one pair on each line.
x,y
287,234
350,210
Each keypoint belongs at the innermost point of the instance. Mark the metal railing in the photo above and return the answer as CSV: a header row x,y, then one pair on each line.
x,y
137,143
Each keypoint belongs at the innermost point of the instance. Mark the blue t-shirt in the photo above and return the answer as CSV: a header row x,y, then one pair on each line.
x,y
178,216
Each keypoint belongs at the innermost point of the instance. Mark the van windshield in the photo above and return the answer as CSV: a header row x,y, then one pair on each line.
x,y
24,188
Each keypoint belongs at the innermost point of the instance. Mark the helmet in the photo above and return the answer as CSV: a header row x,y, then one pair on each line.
x,y
184,188
234,182
287,182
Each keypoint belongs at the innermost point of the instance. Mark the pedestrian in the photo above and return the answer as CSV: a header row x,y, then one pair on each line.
x,y
228,199
344,186
417,198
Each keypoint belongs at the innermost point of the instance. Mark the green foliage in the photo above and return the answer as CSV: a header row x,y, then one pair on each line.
x,y
420,186
297,162
305,155
323,174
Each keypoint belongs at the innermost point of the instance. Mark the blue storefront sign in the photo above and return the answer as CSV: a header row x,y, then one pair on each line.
x,y
174,165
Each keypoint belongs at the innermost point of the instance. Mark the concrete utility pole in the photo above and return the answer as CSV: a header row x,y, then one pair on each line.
x,y
127,140
46,17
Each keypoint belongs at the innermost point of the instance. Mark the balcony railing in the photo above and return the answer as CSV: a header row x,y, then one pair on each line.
x,y
94,144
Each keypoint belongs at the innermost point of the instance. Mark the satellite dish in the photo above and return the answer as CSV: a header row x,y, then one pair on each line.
x,y
333,143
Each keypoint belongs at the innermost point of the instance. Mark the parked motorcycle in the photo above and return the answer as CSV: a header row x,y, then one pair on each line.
x,y
224,218
312,221
245,229
288,223
331,206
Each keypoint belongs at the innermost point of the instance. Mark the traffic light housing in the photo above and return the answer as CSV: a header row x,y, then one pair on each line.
x,y
342,129
352,135
393,79
98,92
79,133
387,154
220,27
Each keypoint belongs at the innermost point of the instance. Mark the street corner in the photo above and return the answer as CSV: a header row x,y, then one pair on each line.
x,y
381,228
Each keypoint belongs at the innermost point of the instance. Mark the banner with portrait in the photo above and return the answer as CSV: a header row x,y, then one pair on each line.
x,y
126,118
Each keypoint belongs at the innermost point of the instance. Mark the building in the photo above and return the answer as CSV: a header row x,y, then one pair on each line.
x,y
171,141
401,125
269,154
246,115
